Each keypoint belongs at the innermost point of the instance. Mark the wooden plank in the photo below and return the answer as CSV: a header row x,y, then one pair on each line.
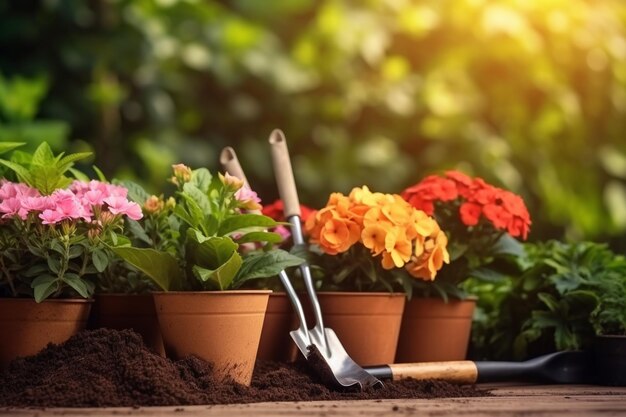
x,y
531,401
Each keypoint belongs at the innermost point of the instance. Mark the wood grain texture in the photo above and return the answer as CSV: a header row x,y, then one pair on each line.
x,y
284,174
508,400
457,372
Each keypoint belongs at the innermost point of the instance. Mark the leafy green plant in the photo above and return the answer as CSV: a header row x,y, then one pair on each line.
x,y
43,170
207,239
560,297
54,239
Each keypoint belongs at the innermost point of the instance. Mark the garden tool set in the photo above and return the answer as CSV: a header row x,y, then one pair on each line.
x,y
321,344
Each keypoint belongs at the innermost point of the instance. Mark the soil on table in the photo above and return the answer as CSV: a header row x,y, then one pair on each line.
x,y
111,368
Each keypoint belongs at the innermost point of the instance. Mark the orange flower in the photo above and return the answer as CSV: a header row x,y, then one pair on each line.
x,y
385,224
337,235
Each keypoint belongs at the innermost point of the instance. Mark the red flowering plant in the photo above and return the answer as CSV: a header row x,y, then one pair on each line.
x,y
481,221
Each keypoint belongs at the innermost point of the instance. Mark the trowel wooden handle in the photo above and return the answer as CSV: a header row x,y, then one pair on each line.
x,y
228,159
284,174
457,372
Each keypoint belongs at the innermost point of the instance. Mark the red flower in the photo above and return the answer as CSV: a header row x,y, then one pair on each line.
x,y
275,211
475,199
470,213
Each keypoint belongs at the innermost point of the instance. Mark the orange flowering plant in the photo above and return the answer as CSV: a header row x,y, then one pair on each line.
x,y
369,241
481,222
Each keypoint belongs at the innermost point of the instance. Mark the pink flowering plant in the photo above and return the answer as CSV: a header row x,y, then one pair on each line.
x,y
55,231
208,236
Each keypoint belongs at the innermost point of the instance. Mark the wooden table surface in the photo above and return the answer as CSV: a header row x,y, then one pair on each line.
x,y
508,400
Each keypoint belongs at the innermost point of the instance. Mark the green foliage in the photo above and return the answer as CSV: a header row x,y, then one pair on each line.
x,y
192,241
43,170
377,93
560,297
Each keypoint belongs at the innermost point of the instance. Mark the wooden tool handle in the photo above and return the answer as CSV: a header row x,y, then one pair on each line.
x,y
228,159
458,372
284,174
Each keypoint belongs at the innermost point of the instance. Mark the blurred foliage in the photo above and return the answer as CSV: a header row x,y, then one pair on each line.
x,y
530,95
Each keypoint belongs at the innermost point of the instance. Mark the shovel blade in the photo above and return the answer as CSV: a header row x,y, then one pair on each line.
x,y
339,369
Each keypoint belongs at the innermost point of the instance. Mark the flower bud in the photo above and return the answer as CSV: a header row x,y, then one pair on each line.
x,y
182,174
153,204
231,182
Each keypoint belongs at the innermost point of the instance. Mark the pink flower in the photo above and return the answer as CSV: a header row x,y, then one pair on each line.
x,y
120,205
284,232
68,204
51,216
12,207
93,198
35,203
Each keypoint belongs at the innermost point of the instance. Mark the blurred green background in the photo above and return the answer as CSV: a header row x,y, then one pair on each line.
x,y
531,95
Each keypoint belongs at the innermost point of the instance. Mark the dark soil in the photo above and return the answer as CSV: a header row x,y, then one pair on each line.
x,y
111,368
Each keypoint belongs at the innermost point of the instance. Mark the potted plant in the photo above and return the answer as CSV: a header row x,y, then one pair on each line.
x,y
217,245
366,248
562,296
481,222
54,237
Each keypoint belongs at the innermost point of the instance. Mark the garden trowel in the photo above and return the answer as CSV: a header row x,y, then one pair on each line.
x,y
318,344
567,367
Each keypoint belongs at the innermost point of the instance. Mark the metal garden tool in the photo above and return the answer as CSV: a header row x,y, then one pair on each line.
x,y
568,367
345,372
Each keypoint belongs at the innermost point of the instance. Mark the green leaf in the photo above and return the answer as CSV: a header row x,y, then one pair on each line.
x,y
100,260
208,252
76,251
549,301
43,155
223,276
54,264
269,237
44,286
266,264
22,173
243,221
161,267
9,146
194,215
508,245
99,173
201,178
137,231
198,196
136,193
81,287
68,161
79,175
487,274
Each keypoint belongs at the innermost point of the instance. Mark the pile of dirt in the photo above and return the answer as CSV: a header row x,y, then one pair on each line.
x,y
111,368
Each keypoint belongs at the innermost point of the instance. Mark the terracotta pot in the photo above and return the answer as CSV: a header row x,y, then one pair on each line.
x,y
276,344
221,327
609,360
28,327
367,324
129,311
433,330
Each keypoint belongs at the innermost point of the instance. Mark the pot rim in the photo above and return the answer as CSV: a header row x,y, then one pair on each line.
x,y
49,300
363,293
225,292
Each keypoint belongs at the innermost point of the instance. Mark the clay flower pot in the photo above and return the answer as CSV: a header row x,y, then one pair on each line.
x,y
367,324
433,330
276,344
30,326
129,311
221,327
